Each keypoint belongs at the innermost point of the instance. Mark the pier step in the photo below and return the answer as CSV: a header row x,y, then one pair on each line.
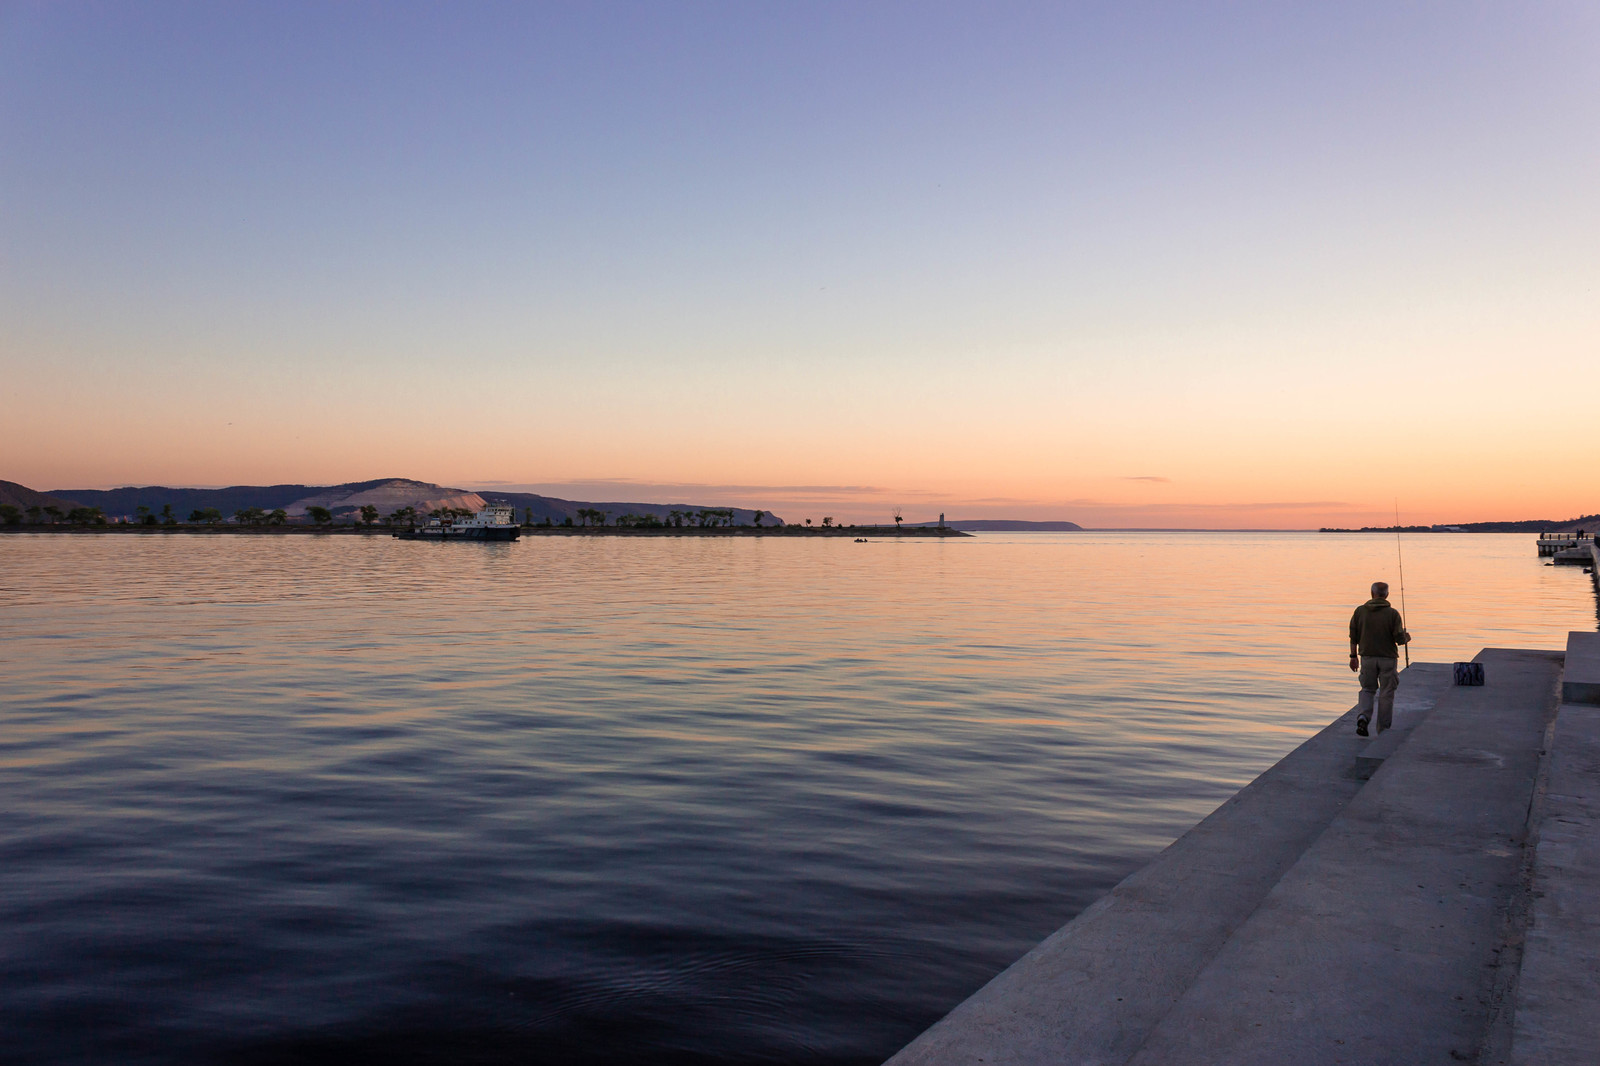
x,y
1094,991
1383,943
1557,1021
1416,697
1580,680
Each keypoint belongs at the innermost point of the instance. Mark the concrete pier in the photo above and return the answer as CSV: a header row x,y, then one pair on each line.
x,y
1553,543
1428,895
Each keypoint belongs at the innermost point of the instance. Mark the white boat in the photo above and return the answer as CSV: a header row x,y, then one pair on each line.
x,y
491,523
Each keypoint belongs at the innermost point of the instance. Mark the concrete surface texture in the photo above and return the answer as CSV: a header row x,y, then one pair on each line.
x,y
1093,991
1318,917
1381,944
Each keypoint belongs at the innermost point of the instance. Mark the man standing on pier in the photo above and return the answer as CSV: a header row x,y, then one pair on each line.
x,y
1376,633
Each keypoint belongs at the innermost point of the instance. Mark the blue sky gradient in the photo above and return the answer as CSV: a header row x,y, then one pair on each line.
x,y
956,253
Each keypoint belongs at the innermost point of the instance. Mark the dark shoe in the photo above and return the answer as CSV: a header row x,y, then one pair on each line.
x,y
1361,727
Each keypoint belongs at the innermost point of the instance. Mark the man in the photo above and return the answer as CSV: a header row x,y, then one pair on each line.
x,y
1376,633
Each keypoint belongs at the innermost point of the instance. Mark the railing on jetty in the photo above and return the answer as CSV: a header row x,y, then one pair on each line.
x,y
1551,543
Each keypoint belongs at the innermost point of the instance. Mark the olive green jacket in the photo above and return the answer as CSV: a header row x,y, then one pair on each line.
x,y
1376,629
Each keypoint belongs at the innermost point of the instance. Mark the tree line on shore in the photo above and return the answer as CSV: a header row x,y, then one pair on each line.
x,y
369,516
366,515
704,518
50,515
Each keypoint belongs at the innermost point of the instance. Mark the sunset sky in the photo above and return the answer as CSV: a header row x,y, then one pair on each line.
x,y
1225,265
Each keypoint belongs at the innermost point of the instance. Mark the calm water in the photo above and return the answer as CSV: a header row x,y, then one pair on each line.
x,y
653,801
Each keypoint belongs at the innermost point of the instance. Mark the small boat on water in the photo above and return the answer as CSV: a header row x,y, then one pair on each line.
x,y
491,523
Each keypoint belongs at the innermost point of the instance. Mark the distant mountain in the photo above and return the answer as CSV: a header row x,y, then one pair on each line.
x,y
556,509
22,496
1007,525
127,501
388,494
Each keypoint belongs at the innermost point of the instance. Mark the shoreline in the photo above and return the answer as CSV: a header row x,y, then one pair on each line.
x,y
129,529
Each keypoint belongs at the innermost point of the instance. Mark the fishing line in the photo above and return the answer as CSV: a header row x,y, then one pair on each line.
x,y
1401,556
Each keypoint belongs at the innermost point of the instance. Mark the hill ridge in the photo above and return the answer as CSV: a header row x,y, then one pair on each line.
x,y
387,494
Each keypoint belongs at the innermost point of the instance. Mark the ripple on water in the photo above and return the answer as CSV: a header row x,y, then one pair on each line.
x,y
662,801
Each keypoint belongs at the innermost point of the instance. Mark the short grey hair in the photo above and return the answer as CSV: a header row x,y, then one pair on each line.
x,y
1380,589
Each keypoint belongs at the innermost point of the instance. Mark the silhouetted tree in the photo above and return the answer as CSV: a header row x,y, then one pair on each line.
x,y
759,516
167,516
54,512
320,515
250,516
210,516
278,517
10,514
369,513
35,514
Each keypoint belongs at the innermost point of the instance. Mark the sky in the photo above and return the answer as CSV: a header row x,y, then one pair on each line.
x,y
1127,264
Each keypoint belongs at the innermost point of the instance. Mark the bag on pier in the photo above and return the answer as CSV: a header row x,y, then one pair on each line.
x,y
1469,673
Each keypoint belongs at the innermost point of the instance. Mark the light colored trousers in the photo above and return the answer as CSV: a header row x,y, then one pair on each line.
x,y
1378,678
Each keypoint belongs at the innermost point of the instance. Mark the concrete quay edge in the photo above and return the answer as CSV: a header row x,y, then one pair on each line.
x,y
1094,991
1393,940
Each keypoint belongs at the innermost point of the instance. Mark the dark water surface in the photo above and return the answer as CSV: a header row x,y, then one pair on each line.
x,y
657,801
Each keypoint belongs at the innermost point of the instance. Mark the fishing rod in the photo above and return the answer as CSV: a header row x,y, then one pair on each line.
x,y
1401,556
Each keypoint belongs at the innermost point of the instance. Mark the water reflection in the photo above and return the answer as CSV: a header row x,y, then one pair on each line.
x,y
669,800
